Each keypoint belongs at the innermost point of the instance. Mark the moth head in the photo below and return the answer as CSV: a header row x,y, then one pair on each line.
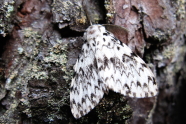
x,y
94,31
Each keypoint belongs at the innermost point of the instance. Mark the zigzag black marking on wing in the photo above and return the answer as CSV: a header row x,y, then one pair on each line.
x,y
117,41
106,47
132,65
119,67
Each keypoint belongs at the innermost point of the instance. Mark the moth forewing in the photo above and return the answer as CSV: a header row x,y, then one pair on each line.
x,y
107,63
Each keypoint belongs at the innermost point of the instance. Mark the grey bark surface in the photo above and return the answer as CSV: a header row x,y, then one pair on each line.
x,y
41,41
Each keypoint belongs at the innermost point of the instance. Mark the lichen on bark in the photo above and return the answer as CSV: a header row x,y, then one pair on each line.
x,y
6,12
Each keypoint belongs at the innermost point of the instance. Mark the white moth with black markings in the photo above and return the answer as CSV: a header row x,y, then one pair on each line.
x,y
105,63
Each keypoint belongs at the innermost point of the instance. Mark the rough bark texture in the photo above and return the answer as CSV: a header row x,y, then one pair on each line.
x,y
40,42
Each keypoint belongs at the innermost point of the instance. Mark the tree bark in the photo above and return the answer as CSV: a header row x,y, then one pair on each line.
x,y
41,41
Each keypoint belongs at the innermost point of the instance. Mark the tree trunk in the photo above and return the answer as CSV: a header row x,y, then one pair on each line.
x,y
41,41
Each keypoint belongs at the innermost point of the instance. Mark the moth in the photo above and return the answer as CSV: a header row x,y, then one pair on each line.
x,y
105,63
